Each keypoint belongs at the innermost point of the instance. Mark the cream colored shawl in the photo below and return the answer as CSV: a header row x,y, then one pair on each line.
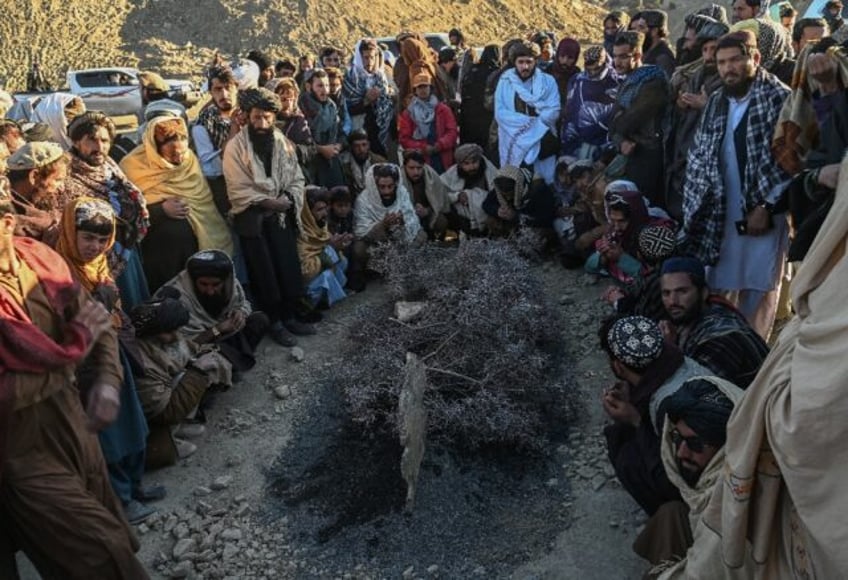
x,y
476,195
159,180
782,497
199,319
247,182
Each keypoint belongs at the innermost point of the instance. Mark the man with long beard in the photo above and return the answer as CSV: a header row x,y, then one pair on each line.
x,y
707,328
219,312
733,185
265,186
213,128
468,184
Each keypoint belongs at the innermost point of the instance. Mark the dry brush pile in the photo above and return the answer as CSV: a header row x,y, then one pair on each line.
x,y
487,334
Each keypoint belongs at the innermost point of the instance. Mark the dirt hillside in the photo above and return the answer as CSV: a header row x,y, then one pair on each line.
x,y
176,37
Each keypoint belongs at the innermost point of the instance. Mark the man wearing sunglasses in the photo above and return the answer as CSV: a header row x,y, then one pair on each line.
x,y
693,441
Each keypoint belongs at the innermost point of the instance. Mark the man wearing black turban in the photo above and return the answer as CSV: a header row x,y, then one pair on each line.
x,y
693,440
218,310
265,187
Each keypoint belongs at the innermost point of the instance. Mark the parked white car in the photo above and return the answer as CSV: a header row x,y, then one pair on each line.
x,y
114,91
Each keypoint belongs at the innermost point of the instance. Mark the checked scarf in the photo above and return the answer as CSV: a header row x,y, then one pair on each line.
x,y
704,200
215,124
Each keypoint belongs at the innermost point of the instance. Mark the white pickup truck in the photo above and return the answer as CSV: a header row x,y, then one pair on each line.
x,y
114,91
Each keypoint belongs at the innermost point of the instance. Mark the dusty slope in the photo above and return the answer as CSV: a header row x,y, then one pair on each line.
x,y
177,37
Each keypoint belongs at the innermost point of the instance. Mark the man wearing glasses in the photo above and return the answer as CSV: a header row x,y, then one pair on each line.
x,y
692,448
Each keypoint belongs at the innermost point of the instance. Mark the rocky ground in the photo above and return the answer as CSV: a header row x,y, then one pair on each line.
x,y
283,487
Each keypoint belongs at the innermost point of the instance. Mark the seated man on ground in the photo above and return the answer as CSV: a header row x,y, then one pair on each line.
x,y
340,216
649,371
176,376
219,312
573,210
517,201
468,184
706,327
617,250
429,194
321,253
692,449
383,213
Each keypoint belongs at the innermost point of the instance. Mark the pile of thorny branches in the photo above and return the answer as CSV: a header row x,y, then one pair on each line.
x,y
487,335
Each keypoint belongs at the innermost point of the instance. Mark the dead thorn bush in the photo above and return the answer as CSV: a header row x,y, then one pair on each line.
x,y
488,336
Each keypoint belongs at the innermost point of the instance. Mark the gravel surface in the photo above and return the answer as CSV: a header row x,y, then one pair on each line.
x,y
283,486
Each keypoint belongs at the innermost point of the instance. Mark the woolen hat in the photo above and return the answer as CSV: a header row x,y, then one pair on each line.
x,y
656,243
34,155
655,18
636,341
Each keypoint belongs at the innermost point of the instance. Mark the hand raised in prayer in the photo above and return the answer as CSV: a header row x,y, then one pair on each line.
x,y
829,176
669,331
421,211
392,218
175,208
463,198
372,95
694,100
95,318
340,241
506,213
612,295
104,402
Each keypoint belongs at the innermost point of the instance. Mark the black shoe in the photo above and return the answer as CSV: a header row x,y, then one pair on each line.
x,y
356,283
299,328
281,335
149,492
136,512
310,317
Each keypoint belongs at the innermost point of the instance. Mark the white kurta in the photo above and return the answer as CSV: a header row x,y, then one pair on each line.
x,y
745,262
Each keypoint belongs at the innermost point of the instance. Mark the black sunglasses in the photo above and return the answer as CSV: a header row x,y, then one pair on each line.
x,y
694,443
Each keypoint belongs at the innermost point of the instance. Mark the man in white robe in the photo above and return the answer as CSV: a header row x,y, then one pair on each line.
x,y
527,106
